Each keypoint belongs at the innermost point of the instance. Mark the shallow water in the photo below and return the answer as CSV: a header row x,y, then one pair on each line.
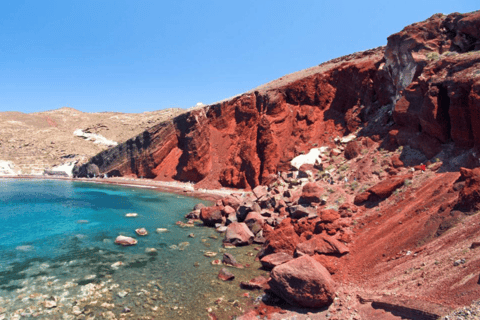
x,y
58,259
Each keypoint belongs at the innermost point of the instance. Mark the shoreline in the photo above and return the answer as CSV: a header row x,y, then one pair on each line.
x,y
175,187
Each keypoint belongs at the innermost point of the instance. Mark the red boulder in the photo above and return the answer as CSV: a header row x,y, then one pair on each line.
x,y
238,234
303,282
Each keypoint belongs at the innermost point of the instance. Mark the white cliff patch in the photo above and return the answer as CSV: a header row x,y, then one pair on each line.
x,y
7,168
96,138
64,168
312,157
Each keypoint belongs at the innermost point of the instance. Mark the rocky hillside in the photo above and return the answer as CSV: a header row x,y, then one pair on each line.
x,y
387,214
421,91
38,141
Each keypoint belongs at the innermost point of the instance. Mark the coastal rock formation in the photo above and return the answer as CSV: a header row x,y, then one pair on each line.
x,y
303,282
240,142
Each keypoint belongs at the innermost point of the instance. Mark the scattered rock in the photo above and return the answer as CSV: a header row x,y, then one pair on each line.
x,y
230,260
238,234
125,241
257,283
275,259
131,215
141,231
161,230
225,275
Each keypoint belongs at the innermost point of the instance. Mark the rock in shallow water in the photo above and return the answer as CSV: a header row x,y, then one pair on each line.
x,y
225,275
125,241
141,231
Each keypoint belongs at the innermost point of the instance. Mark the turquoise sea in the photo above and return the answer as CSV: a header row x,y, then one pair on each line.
x,y
58,259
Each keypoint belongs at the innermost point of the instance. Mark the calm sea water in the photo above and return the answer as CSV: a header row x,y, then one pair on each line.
x,y
56,244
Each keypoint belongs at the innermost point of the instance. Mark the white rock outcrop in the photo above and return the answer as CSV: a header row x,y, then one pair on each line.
x,y
96,138
7,168
312,157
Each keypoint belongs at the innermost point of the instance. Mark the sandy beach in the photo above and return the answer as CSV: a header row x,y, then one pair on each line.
x,y
181,188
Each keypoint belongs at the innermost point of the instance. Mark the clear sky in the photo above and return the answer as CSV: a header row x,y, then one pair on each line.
x,y
135,56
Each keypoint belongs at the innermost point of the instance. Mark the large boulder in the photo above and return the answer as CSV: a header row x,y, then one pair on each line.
x,y
352,150
311,193
254,221
303,282
298,212
238,234
211,215
282,239
381,190
321,244
260,191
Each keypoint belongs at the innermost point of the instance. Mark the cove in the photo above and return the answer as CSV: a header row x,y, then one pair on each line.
x,y
58,259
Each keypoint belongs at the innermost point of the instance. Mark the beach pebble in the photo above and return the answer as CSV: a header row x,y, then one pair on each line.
x,y
116,265
131,215
141,231
222,229
150,250
191,235
76,310
210,254
24,248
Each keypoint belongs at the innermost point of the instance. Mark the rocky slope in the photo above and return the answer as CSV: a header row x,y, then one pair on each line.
x,y
38,141
389,211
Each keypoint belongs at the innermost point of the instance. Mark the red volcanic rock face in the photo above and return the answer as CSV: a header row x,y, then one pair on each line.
x,y
244,141
303,282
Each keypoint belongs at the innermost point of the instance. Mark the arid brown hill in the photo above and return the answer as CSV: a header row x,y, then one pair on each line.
x,y
37,141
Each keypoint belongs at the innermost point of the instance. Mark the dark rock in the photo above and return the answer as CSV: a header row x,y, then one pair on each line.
x,y
225,275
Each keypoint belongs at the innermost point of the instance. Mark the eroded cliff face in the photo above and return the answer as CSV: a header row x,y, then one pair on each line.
x,y
422,90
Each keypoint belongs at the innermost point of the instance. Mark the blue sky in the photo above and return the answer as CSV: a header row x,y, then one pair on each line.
x,y
135,56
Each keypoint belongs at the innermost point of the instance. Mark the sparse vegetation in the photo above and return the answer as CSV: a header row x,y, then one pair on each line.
x,y
432,56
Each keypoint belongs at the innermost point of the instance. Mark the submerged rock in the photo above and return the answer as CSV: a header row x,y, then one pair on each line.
x,y
141,231
225,275
131,215
125,241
